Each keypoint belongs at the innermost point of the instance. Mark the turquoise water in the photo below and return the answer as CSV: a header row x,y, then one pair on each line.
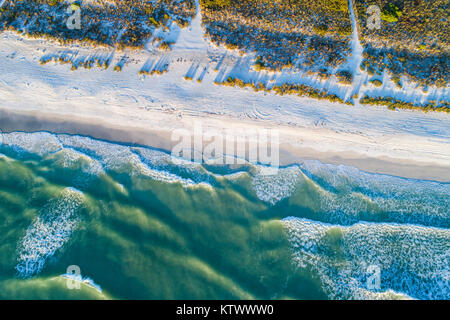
x,y
139,226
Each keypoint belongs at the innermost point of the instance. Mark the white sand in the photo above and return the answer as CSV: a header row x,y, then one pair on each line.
x,y
127,107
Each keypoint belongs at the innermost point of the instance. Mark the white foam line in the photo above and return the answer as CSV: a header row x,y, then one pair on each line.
x,y
87,281
369,224
115,156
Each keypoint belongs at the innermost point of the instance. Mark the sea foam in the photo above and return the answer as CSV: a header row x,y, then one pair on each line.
x,y
118,157
40,143
413,260
275,187
49,232
341,194
349,195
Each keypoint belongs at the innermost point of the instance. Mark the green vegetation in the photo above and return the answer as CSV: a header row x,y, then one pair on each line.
x,y
321,30
345,77
376,82
116,23
88,63
419,22
215,4
397,81
412,41
345,31
300,90
280,32
153,22
391,13
75,6
259,63
393,104
53,2
165,45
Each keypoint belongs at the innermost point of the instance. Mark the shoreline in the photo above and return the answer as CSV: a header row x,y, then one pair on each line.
x,y
126,107
290,152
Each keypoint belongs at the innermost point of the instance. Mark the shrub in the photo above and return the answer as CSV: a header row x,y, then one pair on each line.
x,y
345,77
376,82
165,45
321,29
397,82
215,4
391,13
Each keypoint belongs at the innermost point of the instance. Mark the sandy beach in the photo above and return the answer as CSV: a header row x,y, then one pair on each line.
x,y
130,108
330,149
290,151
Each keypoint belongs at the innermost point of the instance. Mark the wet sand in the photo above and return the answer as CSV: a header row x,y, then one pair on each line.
x,y
161,139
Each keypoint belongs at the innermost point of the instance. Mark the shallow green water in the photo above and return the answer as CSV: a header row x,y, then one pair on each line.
x,y
140,227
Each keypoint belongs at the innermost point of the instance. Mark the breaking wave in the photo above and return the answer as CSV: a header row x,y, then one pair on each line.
x,y
273,188
49,232
349,195
413,260
336,194
345,220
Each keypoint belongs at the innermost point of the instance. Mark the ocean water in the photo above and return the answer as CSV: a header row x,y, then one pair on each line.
x,y
138,226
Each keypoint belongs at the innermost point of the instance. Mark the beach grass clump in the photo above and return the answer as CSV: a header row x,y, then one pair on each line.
x,y
259,64
345,77
165,46
86,63
300,90
152,72
376,82
393,104
397,81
